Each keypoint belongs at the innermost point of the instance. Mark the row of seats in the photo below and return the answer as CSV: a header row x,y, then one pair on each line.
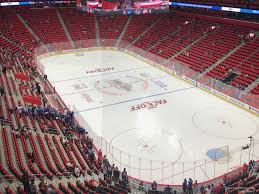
x,y
110,27
255,90
244,183
80,26
167,35
45,23
137,26
187,33
244,61
10,90
13,29
213,46
181,34
161,32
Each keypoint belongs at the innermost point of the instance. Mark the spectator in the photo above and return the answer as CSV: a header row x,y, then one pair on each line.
x,y
26,183
38,88
105,161
124,175
141,186
208,190
69,166
109,171
51,190
20,110
42,186
81,178
1,90
17,132
244,168
190,182
202,189
91,155
184,185
154,186
93,183
4,69
77,171
100,155
251,167
168,189
34,187
45,77
195,186
31,157
116,175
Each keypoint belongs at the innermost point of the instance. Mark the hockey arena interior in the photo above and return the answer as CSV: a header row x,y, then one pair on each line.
x,y
129,96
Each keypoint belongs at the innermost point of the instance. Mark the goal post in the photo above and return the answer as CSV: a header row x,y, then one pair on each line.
x,y
220,155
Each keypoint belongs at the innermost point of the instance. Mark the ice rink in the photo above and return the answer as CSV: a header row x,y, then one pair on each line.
x,y
157,126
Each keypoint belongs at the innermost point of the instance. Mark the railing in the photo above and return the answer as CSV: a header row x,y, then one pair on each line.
x,y
168,172
175,67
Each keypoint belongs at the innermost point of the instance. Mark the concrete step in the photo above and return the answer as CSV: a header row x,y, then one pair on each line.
x,y
24,152
123,32
11,149
54,148
3,106
39,148
19,144
222,59
62,148
72,154
186,48
65,28
252,85
19,98
97,31
4,82
163,39
13,43
3,160
143,33
30,30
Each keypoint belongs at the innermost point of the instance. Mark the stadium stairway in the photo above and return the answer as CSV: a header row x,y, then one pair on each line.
x,y
123,32
143,33
163,39
186,48
65,28
22,153
7,104
222,59
29,29
98,42
44,153
11,148
13,43
3,160
252,85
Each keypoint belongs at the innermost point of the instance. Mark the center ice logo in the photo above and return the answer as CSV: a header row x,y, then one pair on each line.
x,y
148,105
100,70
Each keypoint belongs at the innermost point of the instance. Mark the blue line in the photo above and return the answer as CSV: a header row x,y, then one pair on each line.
x,y
100,74
135,99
